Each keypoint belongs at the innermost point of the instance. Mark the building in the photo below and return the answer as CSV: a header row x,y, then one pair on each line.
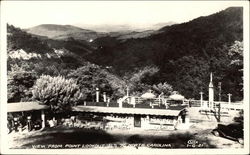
x,y
132,112
115,116
26,110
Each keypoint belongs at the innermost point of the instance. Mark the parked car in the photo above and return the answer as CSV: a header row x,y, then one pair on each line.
x,y
233,131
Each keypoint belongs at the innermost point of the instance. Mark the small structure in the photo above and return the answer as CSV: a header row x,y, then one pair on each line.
x,y
221,108
147,111
138,117
176,97
148,95
27,106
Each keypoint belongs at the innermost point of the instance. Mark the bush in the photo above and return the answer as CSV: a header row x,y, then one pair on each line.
x,y
57,92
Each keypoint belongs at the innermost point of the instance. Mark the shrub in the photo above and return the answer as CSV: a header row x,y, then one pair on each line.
x,y
57,92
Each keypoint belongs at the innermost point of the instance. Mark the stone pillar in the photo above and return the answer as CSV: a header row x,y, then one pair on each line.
x,y
201,99
229,98
104,97
97,94
43,118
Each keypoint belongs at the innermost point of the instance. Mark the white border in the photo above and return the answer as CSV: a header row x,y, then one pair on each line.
x,y
3,99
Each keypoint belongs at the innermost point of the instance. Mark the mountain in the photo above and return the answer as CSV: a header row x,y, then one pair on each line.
x,y
66,32
173,42
185,53
62,32
107,28
42,55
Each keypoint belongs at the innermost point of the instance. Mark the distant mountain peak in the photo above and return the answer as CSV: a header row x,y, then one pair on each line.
x,y
62,32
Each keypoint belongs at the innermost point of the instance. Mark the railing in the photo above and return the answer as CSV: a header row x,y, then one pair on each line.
x,y
195,103
216,104
101,104
138,100
146,105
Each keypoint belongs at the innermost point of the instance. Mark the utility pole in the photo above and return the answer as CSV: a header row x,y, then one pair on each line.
x,y
219,86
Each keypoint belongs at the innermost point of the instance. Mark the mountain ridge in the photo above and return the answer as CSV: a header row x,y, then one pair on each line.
x,y
185,53
54,31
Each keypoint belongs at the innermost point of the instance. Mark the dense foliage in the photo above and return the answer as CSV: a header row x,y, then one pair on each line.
x,y
57,92
19,83
90,77
184,53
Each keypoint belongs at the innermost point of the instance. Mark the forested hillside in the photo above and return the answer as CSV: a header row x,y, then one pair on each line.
x,y
185,53
175,58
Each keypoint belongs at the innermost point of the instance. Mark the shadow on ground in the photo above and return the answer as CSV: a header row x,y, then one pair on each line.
x,y
177,140
62,136
71,136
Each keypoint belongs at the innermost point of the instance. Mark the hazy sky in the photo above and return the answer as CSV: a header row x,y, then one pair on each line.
x,y
141,13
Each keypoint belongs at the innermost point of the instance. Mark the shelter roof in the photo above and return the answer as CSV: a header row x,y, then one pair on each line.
x,y
25,106
171,111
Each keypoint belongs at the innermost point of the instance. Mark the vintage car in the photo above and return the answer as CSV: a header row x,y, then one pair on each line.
x,y
233,131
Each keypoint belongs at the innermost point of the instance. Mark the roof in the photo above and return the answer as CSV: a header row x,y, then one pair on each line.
x,y
172,111
176,97
148,95
25,106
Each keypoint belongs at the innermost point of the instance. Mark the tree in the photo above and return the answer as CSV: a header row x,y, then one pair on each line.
x,y
57,92
19,83
89,77
164,88
141,80
117,84
236,55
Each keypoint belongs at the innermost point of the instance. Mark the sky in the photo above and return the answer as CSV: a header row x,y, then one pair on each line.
x,y
27,14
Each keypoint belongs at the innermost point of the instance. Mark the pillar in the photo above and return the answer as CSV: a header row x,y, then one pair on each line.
x,y
201,99
104,97
229,98
43,118
97,94
127,91
133,101
160,100
120,103
211,92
